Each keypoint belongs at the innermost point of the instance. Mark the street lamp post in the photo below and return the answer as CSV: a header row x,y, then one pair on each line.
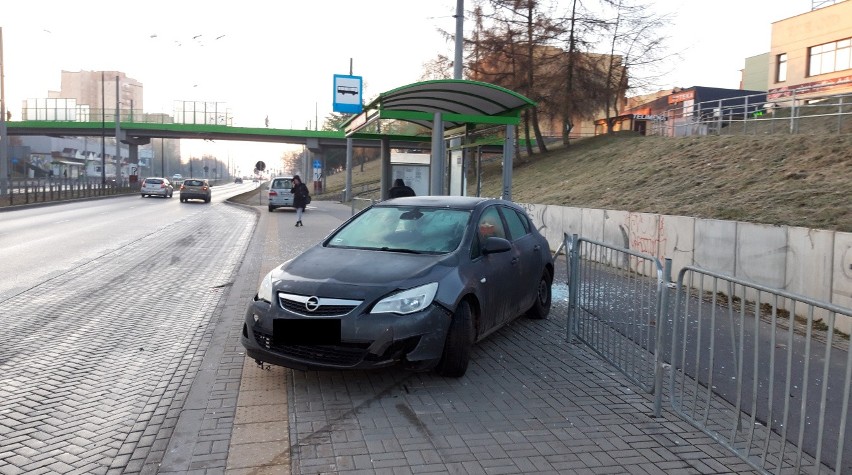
x,y
4,136
103,129
117,134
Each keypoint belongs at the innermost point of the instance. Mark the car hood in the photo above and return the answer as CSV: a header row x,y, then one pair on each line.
x,y
359,274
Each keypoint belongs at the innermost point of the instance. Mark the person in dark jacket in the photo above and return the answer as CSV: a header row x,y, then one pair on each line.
x,y
400,189
300,197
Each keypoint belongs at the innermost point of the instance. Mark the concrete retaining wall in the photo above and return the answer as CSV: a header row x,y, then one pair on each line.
x,y
810,262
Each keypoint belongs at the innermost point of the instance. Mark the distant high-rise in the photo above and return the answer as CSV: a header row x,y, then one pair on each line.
x,y
86,88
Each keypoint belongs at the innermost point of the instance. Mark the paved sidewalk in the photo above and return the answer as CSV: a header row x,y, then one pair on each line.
x,y
530,403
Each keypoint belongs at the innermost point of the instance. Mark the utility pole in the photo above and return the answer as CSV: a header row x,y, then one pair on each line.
x,y
118,179
103,128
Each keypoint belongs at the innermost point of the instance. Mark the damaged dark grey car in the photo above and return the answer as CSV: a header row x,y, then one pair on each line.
x,y
412,281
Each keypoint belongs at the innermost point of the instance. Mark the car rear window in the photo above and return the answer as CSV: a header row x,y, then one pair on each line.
x,y
193,183
282,183
153,181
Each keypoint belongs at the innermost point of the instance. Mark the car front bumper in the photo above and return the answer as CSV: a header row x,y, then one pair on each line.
x,y
366,341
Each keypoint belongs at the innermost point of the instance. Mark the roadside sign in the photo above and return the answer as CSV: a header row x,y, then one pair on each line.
x,y
347,94
260,166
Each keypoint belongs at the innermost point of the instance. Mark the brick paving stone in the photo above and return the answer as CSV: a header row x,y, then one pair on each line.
x,y
107,385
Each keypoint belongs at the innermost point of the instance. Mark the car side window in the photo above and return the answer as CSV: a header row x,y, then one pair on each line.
x,y
489,224
518,225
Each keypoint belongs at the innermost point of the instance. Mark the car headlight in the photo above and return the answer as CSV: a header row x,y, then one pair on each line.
x,y
264,292
408,301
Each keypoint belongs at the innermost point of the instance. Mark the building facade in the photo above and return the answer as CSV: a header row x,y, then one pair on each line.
x,y
811,54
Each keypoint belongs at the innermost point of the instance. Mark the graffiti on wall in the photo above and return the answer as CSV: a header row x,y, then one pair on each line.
x,y
647,233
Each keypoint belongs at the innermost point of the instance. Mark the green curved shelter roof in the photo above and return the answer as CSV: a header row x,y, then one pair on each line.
x,y
459,101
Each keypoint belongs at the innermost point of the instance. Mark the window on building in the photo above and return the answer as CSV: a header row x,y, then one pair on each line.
x,y
781,71
830,57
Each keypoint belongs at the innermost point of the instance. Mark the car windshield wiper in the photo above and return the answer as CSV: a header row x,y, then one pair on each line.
x,y
400,249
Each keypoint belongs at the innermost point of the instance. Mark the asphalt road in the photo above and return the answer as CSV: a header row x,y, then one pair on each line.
x,y
103,305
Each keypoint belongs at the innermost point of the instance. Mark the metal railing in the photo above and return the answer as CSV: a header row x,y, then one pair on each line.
x,y
615,299
754,369
796,113
42,190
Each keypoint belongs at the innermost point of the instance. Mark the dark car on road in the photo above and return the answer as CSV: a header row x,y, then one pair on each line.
x,y
195,189
413,281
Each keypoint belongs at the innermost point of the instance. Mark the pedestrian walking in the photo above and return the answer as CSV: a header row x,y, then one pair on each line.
x,y
301,198
400,189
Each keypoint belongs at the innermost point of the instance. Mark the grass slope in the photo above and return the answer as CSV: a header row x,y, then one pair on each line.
x,y
799,180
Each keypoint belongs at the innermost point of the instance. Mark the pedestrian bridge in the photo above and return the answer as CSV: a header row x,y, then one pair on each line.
x,y
141,133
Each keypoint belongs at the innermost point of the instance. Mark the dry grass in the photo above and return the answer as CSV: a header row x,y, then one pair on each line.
x,y
801,180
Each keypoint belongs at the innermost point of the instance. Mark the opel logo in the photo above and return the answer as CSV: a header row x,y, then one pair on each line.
x,y
312,304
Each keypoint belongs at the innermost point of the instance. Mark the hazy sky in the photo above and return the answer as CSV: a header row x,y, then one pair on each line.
x,y
277,58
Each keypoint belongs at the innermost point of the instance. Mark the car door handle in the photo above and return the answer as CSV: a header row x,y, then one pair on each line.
x,y
537,248
515,260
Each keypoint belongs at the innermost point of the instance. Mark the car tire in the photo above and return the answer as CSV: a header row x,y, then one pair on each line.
x,y
271,209
143,196
543,298
457,347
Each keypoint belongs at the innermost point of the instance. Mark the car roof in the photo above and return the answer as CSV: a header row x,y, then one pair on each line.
x,y
456,202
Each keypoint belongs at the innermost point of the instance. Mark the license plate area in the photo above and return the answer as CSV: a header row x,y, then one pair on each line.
x,y
306,331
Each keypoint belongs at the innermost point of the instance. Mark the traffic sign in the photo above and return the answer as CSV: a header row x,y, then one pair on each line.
x,y
260,166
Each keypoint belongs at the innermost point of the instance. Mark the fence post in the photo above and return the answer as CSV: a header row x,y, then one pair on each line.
x,y
719,121
793,114
572,245
662,314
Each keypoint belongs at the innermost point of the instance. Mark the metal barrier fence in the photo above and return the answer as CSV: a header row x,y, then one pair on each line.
x,y
615,299
756,115
28,191
773,385
751,366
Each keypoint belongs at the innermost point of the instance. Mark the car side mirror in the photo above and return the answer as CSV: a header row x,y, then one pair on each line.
x,y
496,244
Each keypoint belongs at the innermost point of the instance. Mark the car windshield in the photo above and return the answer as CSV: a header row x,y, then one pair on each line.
x,y
404,229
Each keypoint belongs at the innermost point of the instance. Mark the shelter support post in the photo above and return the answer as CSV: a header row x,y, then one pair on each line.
x,y
508,151
386,167
436,169
347,194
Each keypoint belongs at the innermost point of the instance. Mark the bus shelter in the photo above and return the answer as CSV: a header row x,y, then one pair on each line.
x,y
451,109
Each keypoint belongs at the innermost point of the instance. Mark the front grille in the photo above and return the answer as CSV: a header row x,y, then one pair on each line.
x,y
325,307
340,355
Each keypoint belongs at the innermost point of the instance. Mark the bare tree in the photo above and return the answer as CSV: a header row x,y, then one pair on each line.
x,y
580,74
516,50
440,67
635,48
